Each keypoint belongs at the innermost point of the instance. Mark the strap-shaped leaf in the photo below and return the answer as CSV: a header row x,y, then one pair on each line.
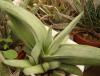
x,y
22,31
58,73
76,54
37,69
55,44
31,21
90,18
36,53
48,40
41,68
91,9
31,60
72,69
18,63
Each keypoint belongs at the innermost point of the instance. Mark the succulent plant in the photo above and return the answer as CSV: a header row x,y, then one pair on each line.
x,y
45,52
91,17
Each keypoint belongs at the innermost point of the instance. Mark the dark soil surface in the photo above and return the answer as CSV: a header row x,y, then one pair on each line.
x,y
92,71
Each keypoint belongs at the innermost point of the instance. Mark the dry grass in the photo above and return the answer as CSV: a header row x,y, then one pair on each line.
x,y
54,12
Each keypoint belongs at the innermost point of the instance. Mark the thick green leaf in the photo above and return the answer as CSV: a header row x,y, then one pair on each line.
x,y
72,69
90,14
91,9
54,64
36,53
37,69
58,73
31,21
31,60
10,54
56,43
4,70
18,63
76,54
22,31
9,0
41,68
48,40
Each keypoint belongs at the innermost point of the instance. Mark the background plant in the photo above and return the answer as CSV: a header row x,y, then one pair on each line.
x,y
91,19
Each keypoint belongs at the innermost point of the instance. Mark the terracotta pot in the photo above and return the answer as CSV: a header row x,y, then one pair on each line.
x,y
77,37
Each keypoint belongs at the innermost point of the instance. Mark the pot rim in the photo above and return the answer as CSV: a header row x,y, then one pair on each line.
x,y
81,40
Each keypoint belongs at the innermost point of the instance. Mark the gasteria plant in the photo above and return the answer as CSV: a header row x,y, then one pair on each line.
x,y
91,18
44,52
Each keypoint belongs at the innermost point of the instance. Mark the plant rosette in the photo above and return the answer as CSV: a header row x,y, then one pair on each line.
x,y
45,52
69,41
